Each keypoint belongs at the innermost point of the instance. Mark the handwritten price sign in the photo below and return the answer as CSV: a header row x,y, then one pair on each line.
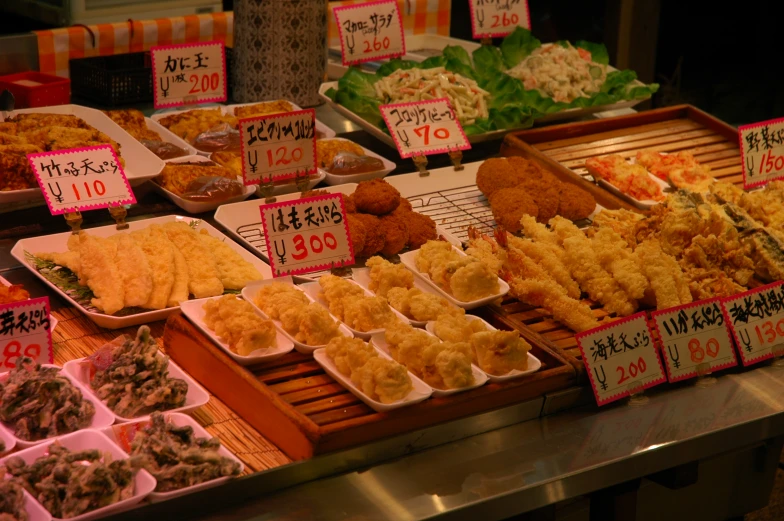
x,y
424,127
307,234
370,31
756,318
24,331
694,338
494,18
86,178
620,358
277,146
188,73
762,152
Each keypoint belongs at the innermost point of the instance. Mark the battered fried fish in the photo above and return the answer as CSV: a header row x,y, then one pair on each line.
x,y
203,277
665,276
160,257
100,273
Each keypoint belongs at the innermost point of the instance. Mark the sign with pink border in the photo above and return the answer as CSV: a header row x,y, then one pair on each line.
x,y
762,152
496,18
305,235
756,318
81,179
25,330
424,127
188,73
370,32
620,358
694,339
278,146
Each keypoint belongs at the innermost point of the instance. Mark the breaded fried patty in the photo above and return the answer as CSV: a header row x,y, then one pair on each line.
x,y
374,239
509,205
575,203
376,197
496,173
395,231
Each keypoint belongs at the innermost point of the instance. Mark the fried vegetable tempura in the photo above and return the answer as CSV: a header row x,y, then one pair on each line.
x,y
312,325
420,306
463,276
455,327
664,274
237,324
500,352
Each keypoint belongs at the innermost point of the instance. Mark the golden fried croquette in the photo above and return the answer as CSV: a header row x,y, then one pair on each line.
x,y
376,197
357,232
496,173
546,195
421,229
509,205
312,193
348,202
575,203
374,238
405,204
529,169
395,231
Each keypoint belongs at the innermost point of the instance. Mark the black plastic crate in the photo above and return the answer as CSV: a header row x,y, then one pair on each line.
x,y
112,81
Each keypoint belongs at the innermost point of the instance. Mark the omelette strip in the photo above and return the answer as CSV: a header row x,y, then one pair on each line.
x,y
100,273
234,271
204,280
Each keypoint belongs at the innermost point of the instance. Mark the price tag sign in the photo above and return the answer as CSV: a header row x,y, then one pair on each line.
x,y
305,235
24,331
86,178
370,31
277,146
495,18
620,358
424,127
756,318
762,152
188,73
694,339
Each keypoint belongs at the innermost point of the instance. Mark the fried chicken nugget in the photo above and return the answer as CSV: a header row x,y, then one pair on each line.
x,y
495,174
374,237
395,231
376,197
509,205
421,229
575,203
357,232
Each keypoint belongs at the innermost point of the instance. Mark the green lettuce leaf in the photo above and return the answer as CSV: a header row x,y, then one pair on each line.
x,y
598,51
488,60
517,45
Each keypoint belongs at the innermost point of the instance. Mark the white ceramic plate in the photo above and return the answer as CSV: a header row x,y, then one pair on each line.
x,y
420,392
196,396
480,378
179,420
534,364
249,294
332,179
198,206
52,320
59,242
642,204
103,416
313,290
170,137
144,483
194,310
409,260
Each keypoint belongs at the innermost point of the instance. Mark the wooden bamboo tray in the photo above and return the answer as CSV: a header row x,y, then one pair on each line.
x,y
670,129
304,412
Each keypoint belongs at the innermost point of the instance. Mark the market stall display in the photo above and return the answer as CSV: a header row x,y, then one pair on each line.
x,y
159,140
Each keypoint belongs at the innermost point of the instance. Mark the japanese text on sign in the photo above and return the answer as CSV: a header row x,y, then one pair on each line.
x,y
370,31
493,18
424,127
620,358
277,146
81,179
188,73
756,318
24,331
307,234
762,152
694,339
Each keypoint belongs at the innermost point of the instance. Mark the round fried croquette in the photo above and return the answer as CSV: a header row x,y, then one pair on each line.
x,y
528,169
376,197
358,233
509,205
312,193
395,232
421,229
374,237
546,195
494,174
405,203
348,202
575,203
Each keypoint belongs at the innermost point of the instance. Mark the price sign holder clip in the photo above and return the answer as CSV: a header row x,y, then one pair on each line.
x,y
74,220
266,187
420,161
637,395
339,271
486,41
119,213
301,180
456,156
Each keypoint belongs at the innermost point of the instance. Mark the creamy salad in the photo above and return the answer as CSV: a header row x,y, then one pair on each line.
x,y
562,73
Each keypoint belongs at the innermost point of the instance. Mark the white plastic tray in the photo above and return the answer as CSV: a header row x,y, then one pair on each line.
x,y
144,483
249,294
179,420
35,511
52,320
332,179
194,310
170,137
59,242
8,439
420,392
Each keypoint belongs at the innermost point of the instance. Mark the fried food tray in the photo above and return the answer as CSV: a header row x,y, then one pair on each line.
x,y
295,404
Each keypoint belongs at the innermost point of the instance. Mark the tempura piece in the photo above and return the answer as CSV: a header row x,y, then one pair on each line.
x,y
310,325
237,324
160,258
135,270
500,352
384,275
234,271
473,282
383,380
615,256
664,274
349,354
276,298
100,273
179,292
203,276
367,313
575,314
545,257
338,292
457,327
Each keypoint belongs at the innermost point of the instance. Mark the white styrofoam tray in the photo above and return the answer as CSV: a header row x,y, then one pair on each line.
x,y
362,277
59,242
332,179
170,137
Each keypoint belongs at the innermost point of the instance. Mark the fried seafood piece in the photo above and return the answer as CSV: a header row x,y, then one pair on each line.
x,y
33,121
727,254
349,354
455,327
668,284
420,306
188,125
376,197
395,232
421,229
367,313
11,139
99,272
463,276
452,364
385,275
374,238
546,257
15,170
433,253
473,281
135,271
203,277
509,205
338,292
575,314
182,279
276,298
263,108
500,352
133,122
495,174
312,325
233,270
383,380
159,251
357,232
237,324
406,345
574,203
620,221
539,232
709,283
617,258
177,177
63,138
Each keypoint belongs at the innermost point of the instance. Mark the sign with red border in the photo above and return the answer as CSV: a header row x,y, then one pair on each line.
x,y
188,73
424,127
496,18
756,318
305,235
278,146
694,336
620,358
370,32
25,331
81,179
762,152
